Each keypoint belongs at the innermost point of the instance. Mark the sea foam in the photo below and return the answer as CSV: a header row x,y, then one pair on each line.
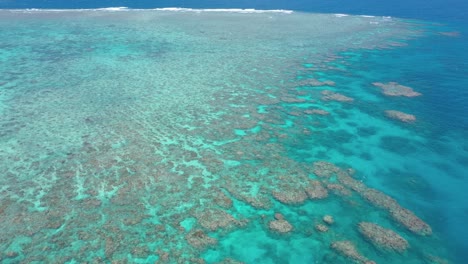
x,y
169,9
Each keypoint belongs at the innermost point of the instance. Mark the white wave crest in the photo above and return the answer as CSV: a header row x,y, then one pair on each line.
x,y
171,9
119,8
233,10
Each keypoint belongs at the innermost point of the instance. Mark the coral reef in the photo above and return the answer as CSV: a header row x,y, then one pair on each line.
x,y
315,83
382,237
410,221
288,99
332,96
348,181
339,189
401,215
290,196
280,226
395,89
324,168
328,219
403,117
316,112
379,198
315,190
241,192
160,144
214,219
223,200
348,250
453,34
321,228
435,259
198,239
229,261
279,216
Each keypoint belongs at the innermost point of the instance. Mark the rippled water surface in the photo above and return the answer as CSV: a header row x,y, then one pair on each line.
x,y
231,137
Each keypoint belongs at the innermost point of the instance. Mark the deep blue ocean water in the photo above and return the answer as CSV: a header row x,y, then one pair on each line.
x,y
436,64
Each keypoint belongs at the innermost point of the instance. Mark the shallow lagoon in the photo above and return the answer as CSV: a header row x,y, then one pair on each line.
x,y
142,136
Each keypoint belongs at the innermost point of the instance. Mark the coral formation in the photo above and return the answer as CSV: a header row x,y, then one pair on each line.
x,y
401,215
395,89
328,219
348,181
288,99
230,261
403,117
339,189
316,112
453,34
332,96
223,200
348,250
315,83
280,226
290,196
324,168
410,221
198,239
214,219
321,228
279,216
315,190
382,237
379,199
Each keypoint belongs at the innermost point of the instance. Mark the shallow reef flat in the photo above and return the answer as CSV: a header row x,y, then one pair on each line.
x,y
168,136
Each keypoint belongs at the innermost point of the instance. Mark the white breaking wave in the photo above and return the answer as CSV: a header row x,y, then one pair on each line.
x,y
169,9
119,8
234,10
386,18
176,9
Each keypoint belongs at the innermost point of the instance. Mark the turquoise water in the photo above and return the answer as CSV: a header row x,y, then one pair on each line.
x,y
175,137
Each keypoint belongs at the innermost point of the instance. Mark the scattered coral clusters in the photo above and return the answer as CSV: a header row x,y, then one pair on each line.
x,y
401,215
409,220
315,190
325,169
242,191
280,224
347,249
296,190
328,219
315,83
198,238
333,96
453,34
395,89
213,219
290,195
321,228
316,112
382,237
404,117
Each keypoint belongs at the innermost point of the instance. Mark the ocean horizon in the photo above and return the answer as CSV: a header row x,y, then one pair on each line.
x,y
233,132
